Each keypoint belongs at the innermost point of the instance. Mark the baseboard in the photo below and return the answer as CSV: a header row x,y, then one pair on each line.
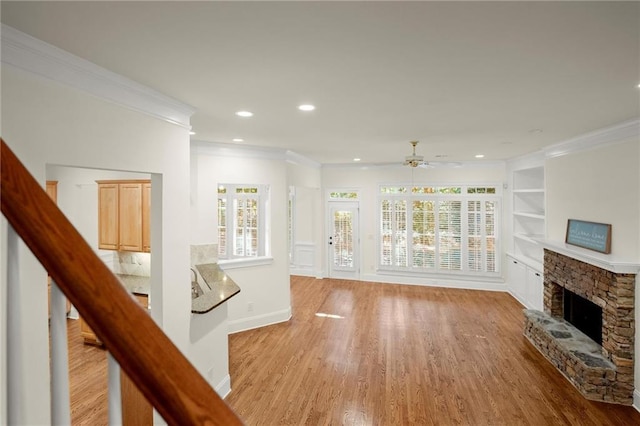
x,y
258,321
515,296
224,387
636,400
303,272
461,283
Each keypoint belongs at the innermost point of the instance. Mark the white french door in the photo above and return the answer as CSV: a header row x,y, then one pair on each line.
x,y
343,240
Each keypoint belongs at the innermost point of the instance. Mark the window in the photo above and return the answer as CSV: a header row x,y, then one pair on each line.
x,y
241,219
439,229
343,195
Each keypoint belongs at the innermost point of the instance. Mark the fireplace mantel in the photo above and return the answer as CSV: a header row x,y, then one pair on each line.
x,y
604,261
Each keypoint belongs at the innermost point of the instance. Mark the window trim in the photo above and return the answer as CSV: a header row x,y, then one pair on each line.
x,y
262,195
463,196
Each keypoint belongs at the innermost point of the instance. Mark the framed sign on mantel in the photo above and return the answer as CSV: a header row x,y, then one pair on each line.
x,y
589,235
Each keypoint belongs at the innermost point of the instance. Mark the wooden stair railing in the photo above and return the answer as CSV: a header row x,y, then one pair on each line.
x,y
165,377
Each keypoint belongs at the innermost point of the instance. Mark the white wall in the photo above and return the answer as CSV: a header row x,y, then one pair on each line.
x,y
600,185
367,180
46,123
265,287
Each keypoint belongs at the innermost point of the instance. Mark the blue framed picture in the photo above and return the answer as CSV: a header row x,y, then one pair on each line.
x,y
590,235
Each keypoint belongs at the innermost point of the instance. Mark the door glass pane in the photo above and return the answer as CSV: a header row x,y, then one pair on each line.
x,y
343,239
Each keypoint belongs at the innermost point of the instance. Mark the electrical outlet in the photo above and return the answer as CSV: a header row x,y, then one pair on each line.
x,y
250,307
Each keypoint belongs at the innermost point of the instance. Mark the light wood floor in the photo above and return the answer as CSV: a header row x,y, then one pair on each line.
x,y
87,380
385,355
398,355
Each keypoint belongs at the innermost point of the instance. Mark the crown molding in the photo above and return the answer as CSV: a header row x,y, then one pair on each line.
x,y
295,158
432,165
231,150
601,137
30,54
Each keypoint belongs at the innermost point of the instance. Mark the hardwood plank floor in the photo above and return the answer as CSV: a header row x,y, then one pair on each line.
x,y
383,355
392,355
87,380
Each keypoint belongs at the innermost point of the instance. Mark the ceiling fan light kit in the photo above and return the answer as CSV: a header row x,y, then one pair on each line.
x,y
414,160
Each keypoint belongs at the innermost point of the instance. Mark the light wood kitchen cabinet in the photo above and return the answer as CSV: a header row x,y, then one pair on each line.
x,y
146,217
130,216
52,190
124,214
87,334
108,216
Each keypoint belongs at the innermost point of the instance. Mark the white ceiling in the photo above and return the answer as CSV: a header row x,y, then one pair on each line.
x,y
461,77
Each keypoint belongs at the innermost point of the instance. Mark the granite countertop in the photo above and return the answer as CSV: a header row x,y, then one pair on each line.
x,y
217,288
135,284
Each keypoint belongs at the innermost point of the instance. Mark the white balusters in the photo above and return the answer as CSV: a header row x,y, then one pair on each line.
x,y
115,398
14,386
14,357
60,402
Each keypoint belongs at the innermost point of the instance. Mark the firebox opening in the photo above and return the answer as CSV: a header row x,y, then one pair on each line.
x,y
585,315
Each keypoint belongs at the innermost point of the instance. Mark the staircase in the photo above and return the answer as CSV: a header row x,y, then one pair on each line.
x,y
157,367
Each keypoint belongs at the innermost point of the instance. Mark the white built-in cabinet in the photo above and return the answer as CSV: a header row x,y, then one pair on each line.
x,y
524,264
525,283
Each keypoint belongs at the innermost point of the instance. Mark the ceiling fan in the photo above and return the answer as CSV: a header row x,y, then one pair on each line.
x,y
415,160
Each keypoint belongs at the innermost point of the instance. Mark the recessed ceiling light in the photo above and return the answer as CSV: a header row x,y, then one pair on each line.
x,y
441,155
535,131
192,133
306,107
238,140
638,86
244,114
479,155
356,159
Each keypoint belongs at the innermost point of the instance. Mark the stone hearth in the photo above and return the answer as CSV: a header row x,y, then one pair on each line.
x,y
602,373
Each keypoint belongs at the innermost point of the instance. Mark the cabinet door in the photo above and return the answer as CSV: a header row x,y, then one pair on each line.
x,y
146,217
517,278
52,190
130,200
108,216
535,289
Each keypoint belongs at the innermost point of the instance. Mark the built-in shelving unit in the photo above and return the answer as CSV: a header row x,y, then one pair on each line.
x,y
525,262
528,214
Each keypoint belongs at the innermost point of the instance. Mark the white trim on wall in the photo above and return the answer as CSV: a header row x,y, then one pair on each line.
x,y
601,137
295,158
257,321
223,388
30,54
219,149
462,282
304,254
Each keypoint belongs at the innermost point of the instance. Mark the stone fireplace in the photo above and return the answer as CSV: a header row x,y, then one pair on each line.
x,y
600,372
